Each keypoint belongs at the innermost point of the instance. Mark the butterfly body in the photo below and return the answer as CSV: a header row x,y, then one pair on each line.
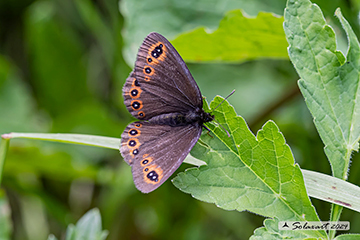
x,y
196,117
161,93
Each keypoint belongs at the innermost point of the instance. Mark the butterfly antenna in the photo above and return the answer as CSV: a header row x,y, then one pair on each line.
x,y
218,106
224,100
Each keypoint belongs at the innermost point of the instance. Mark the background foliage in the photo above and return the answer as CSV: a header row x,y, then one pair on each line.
x,y
62,67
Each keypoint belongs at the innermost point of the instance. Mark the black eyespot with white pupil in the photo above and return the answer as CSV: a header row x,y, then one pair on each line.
x,y
136,83
148,70
132,143
149,60
157,51
145,161
135,152
135,105
134,92
141,114
153,176
133,132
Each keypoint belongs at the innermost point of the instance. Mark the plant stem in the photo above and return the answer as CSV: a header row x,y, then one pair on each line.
x,y
335,216
4,145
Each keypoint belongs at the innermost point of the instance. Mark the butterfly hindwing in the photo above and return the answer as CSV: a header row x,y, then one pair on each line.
x,y
161,82
159,151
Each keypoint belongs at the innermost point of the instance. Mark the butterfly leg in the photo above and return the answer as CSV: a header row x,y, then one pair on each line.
x,y
208,133
206,128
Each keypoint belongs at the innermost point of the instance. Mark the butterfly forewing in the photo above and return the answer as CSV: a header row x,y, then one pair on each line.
x,y
145,102
159,151
161,82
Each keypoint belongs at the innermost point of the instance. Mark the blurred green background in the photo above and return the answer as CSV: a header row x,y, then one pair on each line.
x,y
62,67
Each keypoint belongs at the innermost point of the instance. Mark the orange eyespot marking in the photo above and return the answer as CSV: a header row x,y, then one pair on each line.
x,y
146,161
157,52
133,143
141,114
135,92
136,105
133,153
148,70
147,78
153,174
151,61
134,132
138,125
135,83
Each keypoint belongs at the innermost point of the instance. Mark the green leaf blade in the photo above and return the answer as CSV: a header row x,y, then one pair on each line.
x,y
330,89
247,172
144,17
349,74
84,139
260,37
88,227
332,189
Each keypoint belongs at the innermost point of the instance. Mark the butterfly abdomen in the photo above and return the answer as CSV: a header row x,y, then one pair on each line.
x,y
170,119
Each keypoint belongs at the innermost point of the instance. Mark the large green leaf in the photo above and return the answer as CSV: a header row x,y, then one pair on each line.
x,y
329,82
247,172
171,17
237,39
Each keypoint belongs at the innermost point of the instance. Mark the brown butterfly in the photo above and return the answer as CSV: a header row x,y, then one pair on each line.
x,y
162,93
